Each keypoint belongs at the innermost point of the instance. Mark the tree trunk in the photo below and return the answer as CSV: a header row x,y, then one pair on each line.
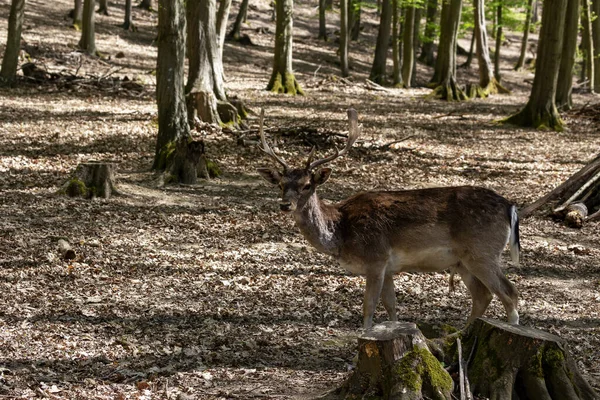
x,y
77,14
222,18
416,45
128,22
408,42
88,34
395,363
354,12
8,73
173,129
378,73
283,79
587,43
469,61
103,7
445,67
145,5
396,44
427,51
564,87
536,10
525,39
540,111
91,180
235,31
344,37
509,359
498,41
322,20
596,42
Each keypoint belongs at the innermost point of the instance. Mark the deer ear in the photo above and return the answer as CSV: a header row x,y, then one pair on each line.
x,y
321,176
270,175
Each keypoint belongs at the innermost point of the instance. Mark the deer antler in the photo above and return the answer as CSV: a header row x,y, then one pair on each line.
x,y
265,147
353,133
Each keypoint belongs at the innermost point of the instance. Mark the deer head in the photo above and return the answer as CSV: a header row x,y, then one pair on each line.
x,y
298,184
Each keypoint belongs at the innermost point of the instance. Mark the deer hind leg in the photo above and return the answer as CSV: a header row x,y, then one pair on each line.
x,y
480,295
388,296
372,294
489,273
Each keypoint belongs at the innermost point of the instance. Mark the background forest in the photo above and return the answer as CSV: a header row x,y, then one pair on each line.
x,y
205,290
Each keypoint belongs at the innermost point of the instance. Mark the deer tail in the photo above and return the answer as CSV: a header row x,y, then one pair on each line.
x,y
514,243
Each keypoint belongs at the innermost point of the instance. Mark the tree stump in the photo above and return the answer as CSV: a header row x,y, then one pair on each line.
x,y
92,179
395,363
517,362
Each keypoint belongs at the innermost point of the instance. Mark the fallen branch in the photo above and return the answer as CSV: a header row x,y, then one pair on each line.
x,y
374,86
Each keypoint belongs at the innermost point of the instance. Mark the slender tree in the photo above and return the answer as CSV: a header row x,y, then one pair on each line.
x,y
587,44
540,111
416,44
283,79
354,12
128,22
344,37
596,43
77,14
102,7
444,76
565,72
408,42
322,20
235,31
427,50
222,18
525,38
469,60
499,23
8,73
88,34
173,128
383,38
396,43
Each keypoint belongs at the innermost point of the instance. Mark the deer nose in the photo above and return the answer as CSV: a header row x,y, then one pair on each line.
x,y
285,206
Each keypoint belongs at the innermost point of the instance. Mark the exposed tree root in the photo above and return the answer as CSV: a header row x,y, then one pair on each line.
x,y
285,84
494,87
448,91
546,118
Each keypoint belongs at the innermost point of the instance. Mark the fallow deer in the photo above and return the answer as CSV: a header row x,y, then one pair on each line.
x,y
381,233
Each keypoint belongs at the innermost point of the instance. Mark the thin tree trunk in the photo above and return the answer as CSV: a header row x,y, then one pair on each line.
x,y
588,70
88,35
128,23
354,12
103,7
536,9
540,111
173,128
427,51
596,42
146,5
408,50
469,60
445,67
564,89
222,18
283,79
416,45
344,37
322,20
396,44
8,74
237,25
525,39
498,41
77,13
383,39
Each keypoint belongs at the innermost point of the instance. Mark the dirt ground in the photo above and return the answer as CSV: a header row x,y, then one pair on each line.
x,y
207,291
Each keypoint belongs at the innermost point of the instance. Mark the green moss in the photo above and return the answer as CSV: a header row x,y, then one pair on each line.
x,y
407,373
535,365
419,367
165,156
555,358
286,84
76,188
213,169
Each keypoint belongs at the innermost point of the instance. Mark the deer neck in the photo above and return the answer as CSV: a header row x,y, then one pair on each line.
x,y
318,222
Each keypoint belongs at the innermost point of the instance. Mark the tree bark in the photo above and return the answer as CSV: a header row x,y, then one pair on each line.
x,y
128,22
596,42
354,12
469,60
394,362
103,7
427,51
534,364
587,43
416,44
8,73
235,31
77,14
145,5
445,67
499,23
91,180
283,79
396,44
525,39
222,18
322,20
540,111
378,70
344,37
564,88
408,42
88,34
173,129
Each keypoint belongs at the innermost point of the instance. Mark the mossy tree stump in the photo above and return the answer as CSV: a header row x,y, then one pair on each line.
x,y
92,179
395,363
508,359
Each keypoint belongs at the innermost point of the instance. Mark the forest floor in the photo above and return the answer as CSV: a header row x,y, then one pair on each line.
x,y
207,291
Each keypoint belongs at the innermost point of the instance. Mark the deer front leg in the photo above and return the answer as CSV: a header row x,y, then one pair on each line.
x,y
372,293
